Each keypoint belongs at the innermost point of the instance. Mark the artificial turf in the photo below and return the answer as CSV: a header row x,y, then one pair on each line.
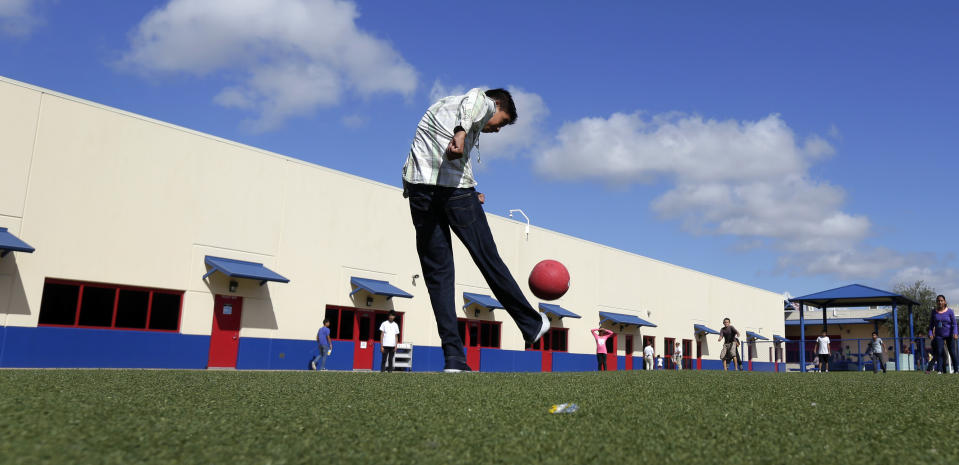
x,y
147,416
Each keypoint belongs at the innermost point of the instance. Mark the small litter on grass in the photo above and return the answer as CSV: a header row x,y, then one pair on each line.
x,y
564,408
813,404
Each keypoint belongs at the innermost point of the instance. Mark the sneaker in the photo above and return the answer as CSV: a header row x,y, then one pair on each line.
x,y
542,329
313,365
456,366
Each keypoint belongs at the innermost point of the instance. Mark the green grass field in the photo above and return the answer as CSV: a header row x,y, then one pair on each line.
x,y
146,416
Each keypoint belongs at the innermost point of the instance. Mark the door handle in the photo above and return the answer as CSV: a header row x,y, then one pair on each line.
x,y
234,338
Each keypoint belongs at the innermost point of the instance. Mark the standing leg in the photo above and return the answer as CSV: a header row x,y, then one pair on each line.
x,y
435,249
937,348
951,345
468,221
323,354
391,352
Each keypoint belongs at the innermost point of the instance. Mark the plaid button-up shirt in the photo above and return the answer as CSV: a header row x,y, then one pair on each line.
x,y
427,162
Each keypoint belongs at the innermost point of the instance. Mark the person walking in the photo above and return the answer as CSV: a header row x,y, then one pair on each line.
x,y
944,333
648,354
822,349
389,331
728,335
601,335
324,345
875,352
439,183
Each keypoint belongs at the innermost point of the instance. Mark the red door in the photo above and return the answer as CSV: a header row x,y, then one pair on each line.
x,y
611,359
225,335
687,354
473,345
364,338
629,351
699,352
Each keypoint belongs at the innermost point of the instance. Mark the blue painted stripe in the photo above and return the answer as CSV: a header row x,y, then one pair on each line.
x,y
49,347
511,360
564,361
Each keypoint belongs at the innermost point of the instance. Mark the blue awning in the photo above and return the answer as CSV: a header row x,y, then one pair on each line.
x,y
377,287
704,329
10,243
756,336
557,310
622,319
242,269
778,338
481,299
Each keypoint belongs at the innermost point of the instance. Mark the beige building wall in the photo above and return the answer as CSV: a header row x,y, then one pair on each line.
x,y
108,196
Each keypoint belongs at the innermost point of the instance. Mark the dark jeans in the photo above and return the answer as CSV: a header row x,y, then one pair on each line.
x,y
388,354
939,347
437,210
877,362
601,362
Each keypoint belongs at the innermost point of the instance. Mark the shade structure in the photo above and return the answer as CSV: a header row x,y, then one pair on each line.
x,y
623,319
480,299
557,310
242,269
10,243
377,287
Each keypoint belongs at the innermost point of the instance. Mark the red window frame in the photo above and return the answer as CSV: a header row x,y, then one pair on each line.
x,y
116,298
687,356
483,326
355,333
669,347
549,336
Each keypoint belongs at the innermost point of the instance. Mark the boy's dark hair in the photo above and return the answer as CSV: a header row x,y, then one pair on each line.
x,y
392,313
725,319
875,333
326,320
504,101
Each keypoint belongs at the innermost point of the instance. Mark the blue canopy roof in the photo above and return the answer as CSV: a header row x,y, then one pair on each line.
x,y
853,295
557,310
704,329
622,319
778,338
242,269
377,287
481,299
10,243
756,336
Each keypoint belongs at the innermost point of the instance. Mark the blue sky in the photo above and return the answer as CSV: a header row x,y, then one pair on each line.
x,y
792,147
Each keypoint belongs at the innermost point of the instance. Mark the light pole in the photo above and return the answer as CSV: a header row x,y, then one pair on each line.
x,y
524,216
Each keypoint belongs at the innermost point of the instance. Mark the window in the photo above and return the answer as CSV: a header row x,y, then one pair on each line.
x,y
343,320
132,309
109,306
58,306
476,333
555,340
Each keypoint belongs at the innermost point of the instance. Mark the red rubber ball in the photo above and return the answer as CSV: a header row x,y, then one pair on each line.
x,y
549,280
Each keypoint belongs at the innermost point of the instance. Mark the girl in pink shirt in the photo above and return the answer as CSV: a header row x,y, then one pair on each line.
x,y
601,335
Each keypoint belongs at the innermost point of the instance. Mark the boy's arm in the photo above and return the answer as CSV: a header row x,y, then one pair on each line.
x,y
470,112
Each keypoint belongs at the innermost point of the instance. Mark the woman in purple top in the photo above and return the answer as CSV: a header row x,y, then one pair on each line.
x,y
943,332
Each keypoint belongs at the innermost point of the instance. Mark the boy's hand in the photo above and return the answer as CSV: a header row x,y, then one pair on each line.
x,y
454,150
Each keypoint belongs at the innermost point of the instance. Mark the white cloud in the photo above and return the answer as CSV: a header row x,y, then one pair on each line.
x,y
943,279
513,139
18,18
747,179
354,121
286,57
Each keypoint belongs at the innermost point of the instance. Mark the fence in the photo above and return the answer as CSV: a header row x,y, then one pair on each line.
x,y
854,354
